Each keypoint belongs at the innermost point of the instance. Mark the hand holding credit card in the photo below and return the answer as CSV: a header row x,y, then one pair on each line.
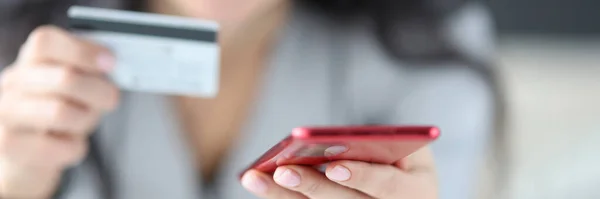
x,y
155,53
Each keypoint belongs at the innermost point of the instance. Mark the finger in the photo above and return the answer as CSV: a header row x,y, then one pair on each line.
x,y
420,161
44,113
94,92
378,181
49,43
37,151
263,186
313,184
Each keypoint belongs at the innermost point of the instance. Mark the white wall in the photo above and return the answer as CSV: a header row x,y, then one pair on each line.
x,y
553,89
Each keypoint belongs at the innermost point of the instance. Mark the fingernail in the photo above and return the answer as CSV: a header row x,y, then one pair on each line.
x,y
254,183
335,150
338,173
286,178
106,62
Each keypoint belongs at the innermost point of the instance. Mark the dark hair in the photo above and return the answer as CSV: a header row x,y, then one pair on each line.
x,y
397,22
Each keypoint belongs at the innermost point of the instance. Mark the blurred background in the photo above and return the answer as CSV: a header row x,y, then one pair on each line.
x,y
549,58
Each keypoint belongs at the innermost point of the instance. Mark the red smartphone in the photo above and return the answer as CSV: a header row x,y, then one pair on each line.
x,y
309,146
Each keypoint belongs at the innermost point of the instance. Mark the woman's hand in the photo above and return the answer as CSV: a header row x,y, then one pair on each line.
x,y
51,98
413,177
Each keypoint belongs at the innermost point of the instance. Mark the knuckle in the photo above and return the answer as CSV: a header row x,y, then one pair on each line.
x,y
360,172
79,52
66,78
85,123
41,36
58,111
364,175
43,33
66,117
313,188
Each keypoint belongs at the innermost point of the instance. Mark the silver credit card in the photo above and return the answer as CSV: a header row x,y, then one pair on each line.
x,y
156,53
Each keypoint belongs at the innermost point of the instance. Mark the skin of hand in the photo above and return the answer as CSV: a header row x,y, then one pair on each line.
x,y
51,97
412,177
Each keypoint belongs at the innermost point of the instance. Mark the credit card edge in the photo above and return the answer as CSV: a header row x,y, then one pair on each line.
x,y
141,17
192,35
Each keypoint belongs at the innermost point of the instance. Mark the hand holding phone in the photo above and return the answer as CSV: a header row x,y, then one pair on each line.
x,y
363,162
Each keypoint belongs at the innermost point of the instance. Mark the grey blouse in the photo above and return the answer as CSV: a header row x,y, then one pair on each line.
x,y
322,73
